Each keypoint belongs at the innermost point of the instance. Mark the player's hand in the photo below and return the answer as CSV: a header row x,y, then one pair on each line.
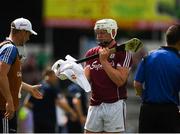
x,y
138,92
73,116
104,54
35,92
9,110
82,120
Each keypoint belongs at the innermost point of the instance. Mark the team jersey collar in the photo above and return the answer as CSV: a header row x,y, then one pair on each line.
x,y
9,39
171,49
113,45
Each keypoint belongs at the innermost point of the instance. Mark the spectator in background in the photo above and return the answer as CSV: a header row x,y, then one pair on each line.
x,y
77,99
11,55
25,120
30,68
44,111
61,120
157,81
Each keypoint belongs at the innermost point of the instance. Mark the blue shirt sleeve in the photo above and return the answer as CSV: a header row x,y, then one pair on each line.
x,y
140,72
8,53
75,90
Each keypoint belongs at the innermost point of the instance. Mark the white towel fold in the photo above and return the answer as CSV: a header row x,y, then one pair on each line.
x,y
71,70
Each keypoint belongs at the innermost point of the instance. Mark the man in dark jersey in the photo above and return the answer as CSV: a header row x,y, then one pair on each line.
x,y
10,74
157,81
77,99
108,76
44,110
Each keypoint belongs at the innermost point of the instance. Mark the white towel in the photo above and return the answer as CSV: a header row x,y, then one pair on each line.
x,y
56,69
71,70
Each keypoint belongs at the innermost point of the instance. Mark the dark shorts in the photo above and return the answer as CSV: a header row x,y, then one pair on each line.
x,y
8,126
159,118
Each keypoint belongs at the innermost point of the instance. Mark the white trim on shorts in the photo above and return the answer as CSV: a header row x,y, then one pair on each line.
x,y
106,117
5,124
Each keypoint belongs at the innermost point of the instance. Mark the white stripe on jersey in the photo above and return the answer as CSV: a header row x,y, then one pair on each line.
x,y
127,60
5,46
7,54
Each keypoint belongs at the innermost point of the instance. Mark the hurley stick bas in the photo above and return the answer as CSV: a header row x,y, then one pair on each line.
x,y
132,45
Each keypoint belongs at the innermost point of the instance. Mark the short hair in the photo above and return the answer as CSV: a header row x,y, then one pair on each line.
x,y
173,34
47,72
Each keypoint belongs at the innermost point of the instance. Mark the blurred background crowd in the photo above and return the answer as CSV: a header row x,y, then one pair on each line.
x,y
66,27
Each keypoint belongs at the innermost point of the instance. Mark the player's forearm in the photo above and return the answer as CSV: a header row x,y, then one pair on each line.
x,y
26,87
78,108
63,103
65,106
77,104
115,75
4,88
87,72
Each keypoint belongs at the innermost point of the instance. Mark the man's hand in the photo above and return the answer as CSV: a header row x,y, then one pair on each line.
x,y
9,110
138,92
35,91
104,54
138,88
82,120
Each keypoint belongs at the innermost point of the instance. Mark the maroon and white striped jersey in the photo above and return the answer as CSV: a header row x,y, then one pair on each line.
x,y
103,88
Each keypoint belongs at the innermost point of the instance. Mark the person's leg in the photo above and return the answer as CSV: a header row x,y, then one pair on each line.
x,y
13,124
177,121
44,127
94,122
114,117
158,118
1,121
38,126
169,119
147,123
74,126
8,126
